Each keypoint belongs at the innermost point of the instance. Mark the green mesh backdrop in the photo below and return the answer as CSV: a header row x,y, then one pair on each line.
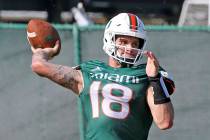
x,y
33,108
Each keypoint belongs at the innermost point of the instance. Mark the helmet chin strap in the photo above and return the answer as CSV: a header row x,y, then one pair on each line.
x,y
126,65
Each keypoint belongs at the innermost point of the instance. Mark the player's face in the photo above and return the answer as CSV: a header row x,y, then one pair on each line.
x,y
127,46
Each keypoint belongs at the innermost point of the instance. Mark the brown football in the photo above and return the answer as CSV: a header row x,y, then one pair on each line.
x,y
41,34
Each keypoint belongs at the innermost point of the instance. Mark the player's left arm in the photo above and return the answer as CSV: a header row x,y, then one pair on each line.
x,y
158,96
163,113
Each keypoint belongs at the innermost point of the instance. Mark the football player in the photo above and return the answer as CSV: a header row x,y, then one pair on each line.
x,y
122,98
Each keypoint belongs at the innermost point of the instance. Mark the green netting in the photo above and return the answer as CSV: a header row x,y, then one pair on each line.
x,y
35,108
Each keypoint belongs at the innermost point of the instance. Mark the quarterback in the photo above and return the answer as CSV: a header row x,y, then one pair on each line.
x,y
120,99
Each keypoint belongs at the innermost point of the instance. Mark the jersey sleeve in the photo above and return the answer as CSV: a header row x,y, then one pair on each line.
x,y
85,68
168,80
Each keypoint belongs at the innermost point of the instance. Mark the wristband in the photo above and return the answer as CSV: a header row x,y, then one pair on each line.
x,y
161,94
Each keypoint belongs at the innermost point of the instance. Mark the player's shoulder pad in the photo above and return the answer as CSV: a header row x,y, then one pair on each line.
x,y
169,82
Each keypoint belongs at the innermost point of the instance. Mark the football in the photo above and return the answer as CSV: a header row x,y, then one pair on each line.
x,y
41,34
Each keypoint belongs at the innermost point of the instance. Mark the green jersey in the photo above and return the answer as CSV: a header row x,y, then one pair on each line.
x,y
113,102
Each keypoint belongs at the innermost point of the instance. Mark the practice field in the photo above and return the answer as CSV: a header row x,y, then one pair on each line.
x,y
33,108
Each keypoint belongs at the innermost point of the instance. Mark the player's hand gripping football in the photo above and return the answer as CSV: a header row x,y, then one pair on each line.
x,y
152,66
48,53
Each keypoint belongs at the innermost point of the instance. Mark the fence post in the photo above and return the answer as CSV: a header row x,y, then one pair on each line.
x,y
76,40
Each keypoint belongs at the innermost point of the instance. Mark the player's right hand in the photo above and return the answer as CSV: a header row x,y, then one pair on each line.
x,y
48,53
152,66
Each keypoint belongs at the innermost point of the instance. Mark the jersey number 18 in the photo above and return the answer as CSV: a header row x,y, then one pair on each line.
x,y
109,98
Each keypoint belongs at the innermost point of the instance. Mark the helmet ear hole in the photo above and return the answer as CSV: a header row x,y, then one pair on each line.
x,y
112,38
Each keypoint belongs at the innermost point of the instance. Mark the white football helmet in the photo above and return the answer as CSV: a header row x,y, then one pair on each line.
x,y
128,25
